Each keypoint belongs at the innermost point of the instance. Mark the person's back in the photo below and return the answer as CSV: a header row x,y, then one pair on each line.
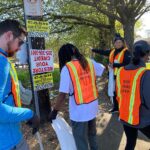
x,y
78,79
145,94
133,84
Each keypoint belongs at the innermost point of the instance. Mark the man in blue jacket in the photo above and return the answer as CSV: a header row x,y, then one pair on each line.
x,y
11,114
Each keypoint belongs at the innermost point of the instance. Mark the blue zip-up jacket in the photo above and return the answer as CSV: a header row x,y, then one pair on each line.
x,y
10,116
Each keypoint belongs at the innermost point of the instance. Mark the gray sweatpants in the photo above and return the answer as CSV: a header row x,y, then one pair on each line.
x,y
22,145
85,135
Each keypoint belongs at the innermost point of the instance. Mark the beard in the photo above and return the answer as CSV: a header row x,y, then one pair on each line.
x,y
10,52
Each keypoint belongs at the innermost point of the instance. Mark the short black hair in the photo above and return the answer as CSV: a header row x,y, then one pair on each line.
x,y
12,25
141,49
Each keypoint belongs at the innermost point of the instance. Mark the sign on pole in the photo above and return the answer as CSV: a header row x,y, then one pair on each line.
x,y
37,28
33,7
41,61
43,81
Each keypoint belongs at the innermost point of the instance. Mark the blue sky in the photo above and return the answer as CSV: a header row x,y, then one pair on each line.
x,y
145,24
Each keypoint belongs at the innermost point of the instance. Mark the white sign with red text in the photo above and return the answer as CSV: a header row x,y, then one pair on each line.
x,y
41,61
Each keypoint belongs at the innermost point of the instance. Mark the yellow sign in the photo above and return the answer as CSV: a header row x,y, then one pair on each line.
x,y
43,81
37,26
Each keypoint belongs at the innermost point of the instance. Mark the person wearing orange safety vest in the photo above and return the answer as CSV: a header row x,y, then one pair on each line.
x,y
119,56
11,113
133,96
78,79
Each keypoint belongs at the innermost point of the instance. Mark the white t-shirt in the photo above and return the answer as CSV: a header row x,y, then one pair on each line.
x,y
83,112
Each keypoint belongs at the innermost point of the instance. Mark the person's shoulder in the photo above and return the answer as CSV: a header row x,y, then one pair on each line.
x,y
127,51
3,60
97,63
64,71
146,76
147,72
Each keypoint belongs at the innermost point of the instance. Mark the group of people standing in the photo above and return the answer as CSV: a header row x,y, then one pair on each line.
x,y
78,81
131,97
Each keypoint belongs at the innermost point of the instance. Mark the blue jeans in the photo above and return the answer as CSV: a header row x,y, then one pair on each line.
x,y
85,135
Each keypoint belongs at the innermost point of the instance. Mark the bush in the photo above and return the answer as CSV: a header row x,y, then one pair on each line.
x,y
56,75
24,76
101,59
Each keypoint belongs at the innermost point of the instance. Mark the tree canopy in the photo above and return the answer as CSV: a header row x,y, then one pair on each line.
x,y
84,22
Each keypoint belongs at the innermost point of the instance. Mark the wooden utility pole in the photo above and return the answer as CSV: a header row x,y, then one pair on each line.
x,y
41,97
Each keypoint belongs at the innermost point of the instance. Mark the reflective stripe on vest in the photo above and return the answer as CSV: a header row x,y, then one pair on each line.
x,y
15,84
84,82
93,77
118,57
133,100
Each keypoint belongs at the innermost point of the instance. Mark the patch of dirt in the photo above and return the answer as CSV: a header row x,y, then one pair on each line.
x,y
47,133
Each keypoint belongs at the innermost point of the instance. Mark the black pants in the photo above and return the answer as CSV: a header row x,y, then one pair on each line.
x,y
132,134
115,102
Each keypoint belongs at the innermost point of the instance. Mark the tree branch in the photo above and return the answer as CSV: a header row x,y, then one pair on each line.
x,y
63,30
94,4
142,12
81,20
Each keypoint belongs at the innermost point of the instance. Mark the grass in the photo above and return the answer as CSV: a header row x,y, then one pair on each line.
x,y
24,76
56,75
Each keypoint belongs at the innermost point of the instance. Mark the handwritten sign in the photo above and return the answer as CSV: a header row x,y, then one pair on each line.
x,y
41,61
33,7
43,81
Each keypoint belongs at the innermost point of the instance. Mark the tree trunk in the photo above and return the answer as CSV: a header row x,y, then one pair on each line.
x,y
129,33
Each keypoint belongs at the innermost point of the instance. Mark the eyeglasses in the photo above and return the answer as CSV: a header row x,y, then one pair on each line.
x,y
21,42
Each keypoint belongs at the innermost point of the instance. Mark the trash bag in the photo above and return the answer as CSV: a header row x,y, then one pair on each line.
x,y
64,134
25,94
111,83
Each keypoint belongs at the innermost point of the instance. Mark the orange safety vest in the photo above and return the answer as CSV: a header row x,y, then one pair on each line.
x,y
84,82
128,94
15,85
119,57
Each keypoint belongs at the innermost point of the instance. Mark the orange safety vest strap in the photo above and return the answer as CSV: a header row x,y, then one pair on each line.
x,y
111,56
119,58
15,91
76,83
15,86
93,76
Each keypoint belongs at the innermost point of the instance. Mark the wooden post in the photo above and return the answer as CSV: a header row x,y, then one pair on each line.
x,y
41,98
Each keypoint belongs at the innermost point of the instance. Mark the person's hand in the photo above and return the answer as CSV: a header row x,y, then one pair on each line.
x,y
92,49
34,122
53,115
110,66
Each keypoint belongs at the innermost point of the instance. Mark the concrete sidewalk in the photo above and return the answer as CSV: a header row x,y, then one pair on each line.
x,y
111,136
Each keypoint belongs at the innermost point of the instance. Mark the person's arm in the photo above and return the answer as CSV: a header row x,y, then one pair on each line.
x,y
8,113
145,87
99,68
101,52
63,91
63,88
126,61
60,101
